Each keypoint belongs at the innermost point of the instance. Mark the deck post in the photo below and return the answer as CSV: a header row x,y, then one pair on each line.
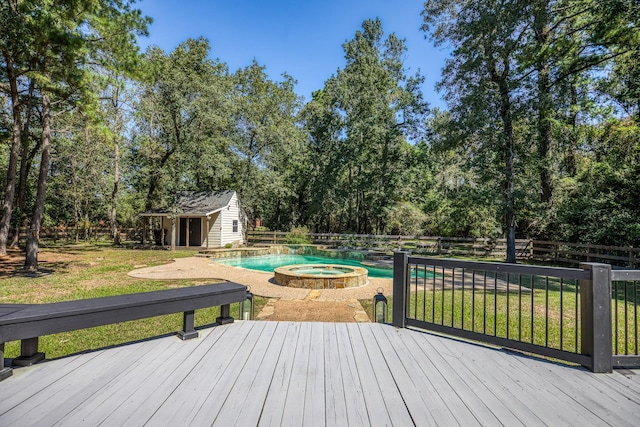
x,y
595,319
29,354
188,331
400,265
4,372
225,315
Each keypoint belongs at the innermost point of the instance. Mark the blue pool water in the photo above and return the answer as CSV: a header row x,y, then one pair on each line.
x,y
271,262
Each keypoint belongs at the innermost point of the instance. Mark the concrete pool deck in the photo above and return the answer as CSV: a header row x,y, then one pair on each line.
x,y
261,283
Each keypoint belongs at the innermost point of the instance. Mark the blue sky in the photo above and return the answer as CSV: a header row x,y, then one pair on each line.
x,y
302,38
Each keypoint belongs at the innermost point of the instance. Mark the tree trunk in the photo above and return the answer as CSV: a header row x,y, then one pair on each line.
x,y
544,136
25,166
31,259
545,104
7,207
114,195
509,184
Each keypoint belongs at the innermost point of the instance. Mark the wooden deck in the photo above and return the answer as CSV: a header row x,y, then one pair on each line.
x,y
314,374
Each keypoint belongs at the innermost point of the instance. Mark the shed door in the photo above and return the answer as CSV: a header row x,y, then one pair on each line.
x,y
182,239
195,231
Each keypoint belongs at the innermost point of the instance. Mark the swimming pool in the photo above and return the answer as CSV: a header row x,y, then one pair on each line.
x,y
271,262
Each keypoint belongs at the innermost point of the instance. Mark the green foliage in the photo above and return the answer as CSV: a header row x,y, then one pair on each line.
x,y
268,142
298,236
358,126
602,206
405,218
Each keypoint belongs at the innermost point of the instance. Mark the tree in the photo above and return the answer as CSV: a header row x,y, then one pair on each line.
x,y
266,138
14,47
360,122
116,60
481,80
60,39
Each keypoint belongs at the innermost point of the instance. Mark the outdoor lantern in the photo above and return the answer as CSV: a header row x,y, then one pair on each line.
x,y
246,306
380,307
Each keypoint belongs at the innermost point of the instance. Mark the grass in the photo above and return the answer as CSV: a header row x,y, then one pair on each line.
x,y
97,270
532,317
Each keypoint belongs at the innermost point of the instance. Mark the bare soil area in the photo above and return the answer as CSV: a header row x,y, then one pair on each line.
x,y
13,263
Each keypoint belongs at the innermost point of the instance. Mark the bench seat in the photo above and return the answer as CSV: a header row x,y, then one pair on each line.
x,y
27,322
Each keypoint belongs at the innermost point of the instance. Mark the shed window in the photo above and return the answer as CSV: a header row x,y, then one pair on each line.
x,y
235,225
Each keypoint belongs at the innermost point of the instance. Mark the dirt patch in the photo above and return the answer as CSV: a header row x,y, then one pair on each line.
x,y
12,264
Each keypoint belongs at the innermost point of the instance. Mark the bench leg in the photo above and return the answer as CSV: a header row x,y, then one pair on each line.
x,y
4,372
225,315
188,331
29,354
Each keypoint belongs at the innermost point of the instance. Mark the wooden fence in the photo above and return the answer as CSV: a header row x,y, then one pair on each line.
x,y
574,253
529,249
71,233
526,249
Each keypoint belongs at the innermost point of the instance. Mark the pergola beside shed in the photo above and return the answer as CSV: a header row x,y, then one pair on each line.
x,y
208,219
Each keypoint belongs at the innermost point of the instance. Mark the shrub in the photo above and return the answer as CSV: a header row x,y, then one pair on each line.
x,y
299,236
228,245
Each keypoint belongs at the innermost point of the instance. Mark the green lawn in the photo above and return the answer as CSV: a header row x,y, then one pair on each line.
x,y
88,271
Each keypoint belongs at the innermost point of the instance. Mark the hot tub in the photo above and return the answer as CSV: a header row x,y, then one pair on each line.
x,y
320,276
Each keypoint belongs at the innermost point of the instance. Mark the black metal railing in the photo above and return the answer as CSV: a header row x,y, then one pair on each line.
x,y
554,312
625,296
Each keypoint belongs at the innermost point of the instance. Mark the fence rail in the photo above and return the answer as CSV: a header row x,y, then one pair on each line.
x,y
586,315
539,250
71,233
574,253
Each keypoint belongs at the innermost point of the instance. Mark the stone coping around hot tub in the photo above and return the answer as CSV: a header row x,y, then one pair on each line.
x,y
287,276
315,250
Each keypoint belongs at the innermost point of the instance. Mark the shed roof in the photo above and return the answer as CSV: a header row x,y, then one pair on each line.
x,y
195,203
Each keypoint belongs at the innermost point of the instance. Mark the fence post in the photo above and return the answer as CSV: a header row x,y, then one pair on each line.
x,y
531,249
400,264
595,316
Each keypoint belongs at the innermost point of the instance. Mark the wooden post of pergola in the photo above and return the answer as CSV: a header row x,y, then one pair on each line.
x,y
173,233
187,236
207,230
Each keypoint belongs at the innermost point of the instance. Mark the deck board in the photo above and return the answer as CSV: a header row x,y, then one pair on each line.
x,y
274,403
237,374
336,406
422,382
606,405
353,391
287,373
523,403
171,384
252,381
474,396
393,401
314,402
107,384
418,408
131,390
293,409
189,392
45,400
371,391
